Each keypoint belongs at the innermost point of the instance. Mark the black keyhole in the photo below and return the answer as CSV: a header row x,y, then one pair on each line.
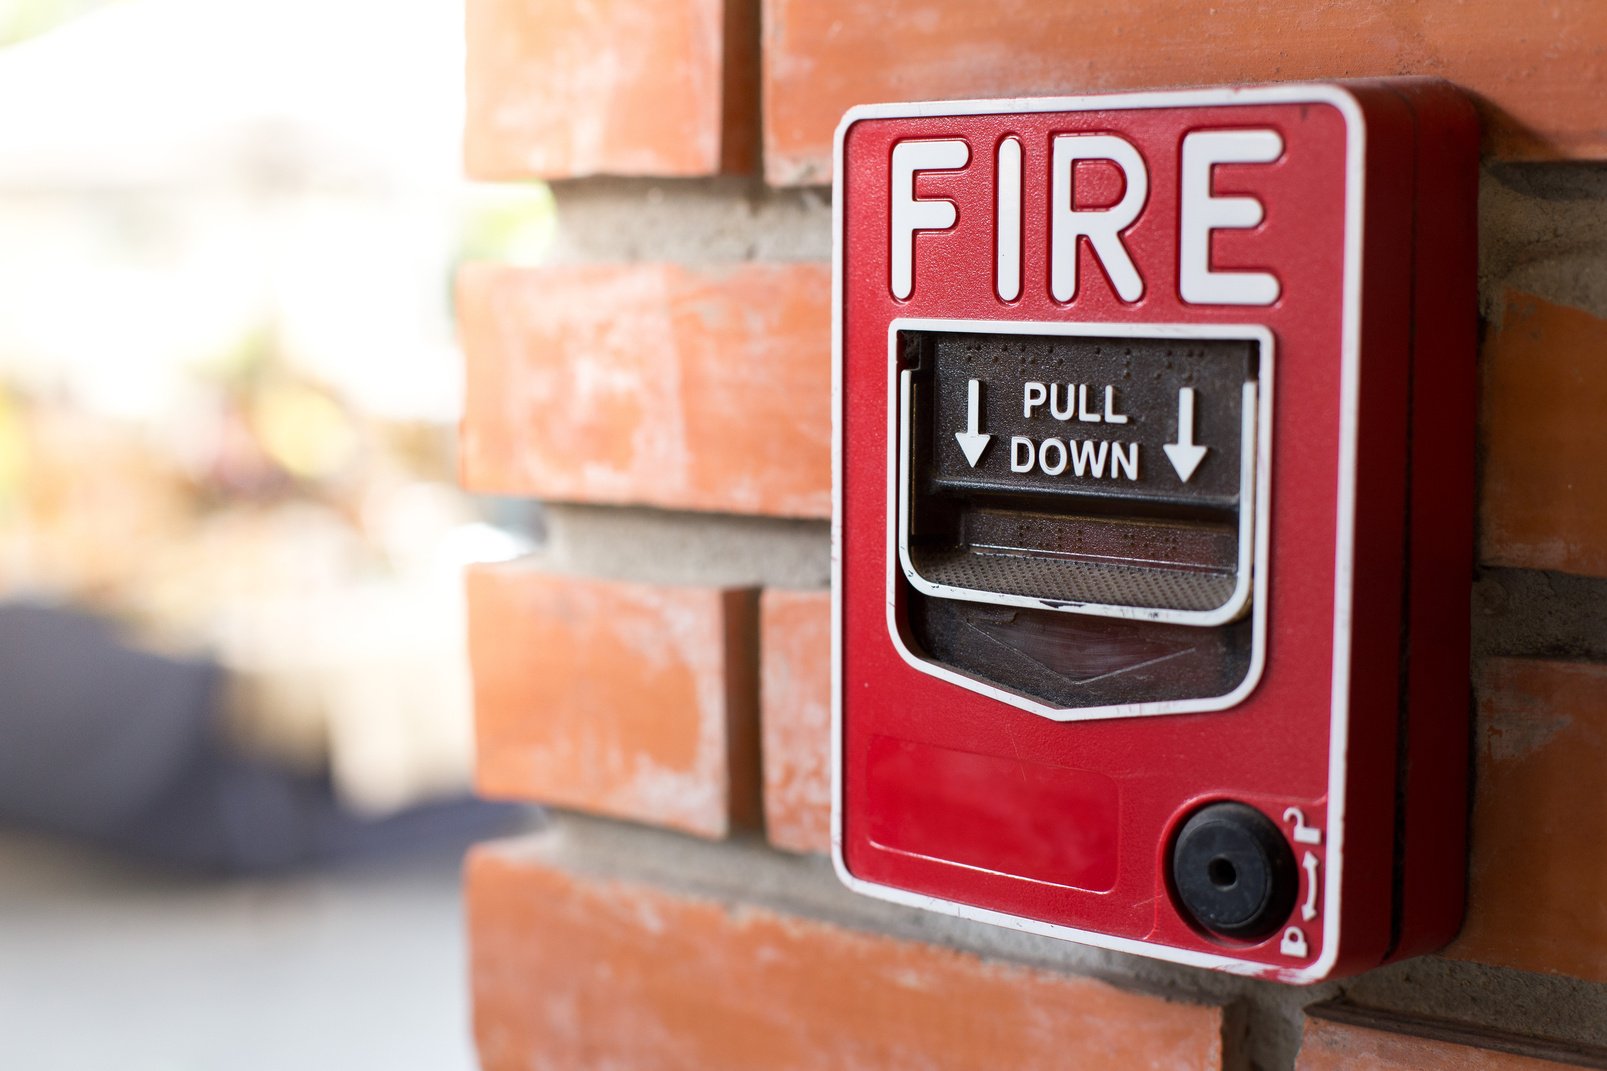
x,y
1233,873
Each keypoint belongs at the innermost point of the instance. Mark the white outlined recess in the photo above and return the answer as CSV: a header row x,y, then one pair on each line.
x,y
1254,488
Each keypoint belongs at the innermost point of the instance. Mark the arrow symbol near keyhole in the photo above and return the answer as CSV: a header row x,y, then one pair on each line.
x,y
971,440
1184,454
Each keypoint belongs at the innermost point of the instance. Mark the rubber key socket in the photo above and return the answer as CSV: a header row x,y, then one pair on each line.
x,y
1233,872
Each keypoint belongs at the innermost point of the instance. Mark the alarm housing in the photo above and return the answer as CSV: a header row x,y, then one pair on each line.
x,y
1153,517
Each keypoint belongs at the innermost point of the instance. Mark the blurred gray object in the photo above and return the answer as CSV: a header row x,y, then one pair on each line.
x,y
104,742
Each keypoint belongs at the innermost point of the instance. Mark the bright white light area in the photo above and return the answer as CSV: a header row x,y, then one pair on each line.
x,y
178,176
161,93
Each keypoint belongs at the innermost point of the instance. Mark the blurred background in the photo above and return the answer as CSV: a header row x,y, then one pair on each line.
x,y
234,705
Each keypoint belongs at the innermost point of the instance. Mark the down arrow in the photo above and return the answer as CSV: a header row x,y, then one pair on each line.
x,y
1184,454
971,440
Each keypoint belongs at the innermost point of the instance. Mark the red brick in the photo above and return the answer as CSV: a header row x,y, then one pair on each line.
x,y
795,717
1330,1046
583,972
1538,893
630,700
1544,498
1539,78
650,384
557,89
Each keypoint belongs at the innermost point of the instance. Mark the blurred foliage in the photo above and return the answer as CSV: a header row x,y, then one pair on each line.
x,y
109,512
22,19
13,454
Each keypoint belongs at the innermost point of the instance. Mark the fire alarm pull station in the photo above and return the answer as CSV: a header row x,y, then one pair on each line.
x,y
1154,517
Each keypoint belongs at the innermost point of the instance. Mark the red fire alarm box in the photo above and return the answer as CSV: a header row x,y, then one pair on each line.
x,y
1153,524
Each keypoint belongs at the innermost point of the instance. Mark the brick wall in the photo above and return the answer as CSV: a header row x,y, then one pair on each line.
x,y
662,385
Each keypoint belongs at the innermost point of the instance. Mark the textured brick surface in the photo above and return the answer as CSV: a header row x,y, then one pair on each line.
x,y
795,716
707,388
650,384
557,89
1544,502
1340,1047
629,700
1538,893
1540,77
571,972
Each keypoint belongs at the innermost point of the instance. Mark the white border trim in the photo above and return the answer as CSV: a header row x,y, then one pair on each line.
x,y
1344,555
